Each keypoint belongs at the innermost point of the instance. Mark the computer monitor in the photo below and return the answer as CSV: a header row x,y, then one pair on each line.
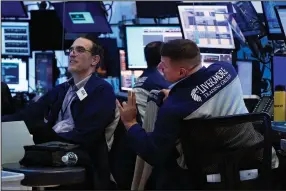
x,y
138,36
127,77
250,76
45,73
83,17
14,74
278,70
13,9
206,25
247,19
281,16
245,76
271,21
209,58
15,38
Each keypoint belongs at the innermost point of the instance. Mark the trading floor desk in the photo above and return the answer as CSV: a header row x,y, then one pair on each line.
x,y
42,177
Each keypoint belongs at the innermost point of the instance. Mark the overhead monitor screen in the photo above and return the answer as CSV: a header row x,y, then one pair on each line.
x,y
14,74
281,15
270,16
247,19
206,25
137,37
15,38
83,17
13,9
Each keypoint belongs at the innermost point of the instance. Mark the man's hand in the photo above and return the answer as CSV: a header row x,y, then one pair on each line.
x,y
166,92
128,110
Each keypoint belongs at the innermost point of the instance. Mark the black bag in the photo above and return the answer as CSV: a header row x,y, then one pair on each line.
x,y
55,154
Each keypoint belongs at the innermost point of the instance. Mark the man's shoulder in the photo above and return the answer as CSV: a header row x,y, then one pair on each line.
x,y
152,81
99,82
219,64
96,84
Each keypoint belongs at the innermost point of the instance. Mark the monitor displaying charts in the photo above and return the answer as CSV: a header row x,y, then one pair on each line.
x,y
14,74
206,25
138,36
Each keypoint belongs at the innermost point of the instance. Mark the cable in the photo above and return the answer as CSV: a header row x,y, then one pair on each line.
x,y
35,82
110,5
33,90
109,9
156,21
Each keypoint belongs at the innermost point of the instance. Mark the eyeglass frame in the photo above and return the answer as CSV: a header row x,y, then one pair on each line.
x,y
71,49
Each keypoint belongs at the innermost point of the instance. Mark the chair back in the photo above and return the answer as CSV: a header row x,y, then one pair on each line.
x,y
224,147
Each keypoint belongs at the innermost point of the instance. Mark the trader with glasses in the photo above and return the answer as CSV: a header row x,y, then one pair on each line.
x,y
77,111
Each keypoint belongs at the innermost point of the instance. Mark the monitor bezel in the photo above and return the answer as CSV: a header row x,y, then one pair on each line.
x,y
29,28
230,11
276,8
270,36
141,25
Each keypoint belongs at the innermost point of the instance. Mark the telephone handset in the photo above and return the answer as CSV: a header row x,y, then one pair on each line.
x,y
265,104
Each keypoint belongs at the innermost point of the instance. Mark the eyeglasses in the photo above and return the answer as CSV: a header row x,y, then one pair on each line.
x,y
78,49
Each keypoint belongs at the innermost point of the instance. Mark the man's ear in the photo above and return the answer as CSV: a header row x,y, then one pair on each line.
x,y
95,60
183,72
